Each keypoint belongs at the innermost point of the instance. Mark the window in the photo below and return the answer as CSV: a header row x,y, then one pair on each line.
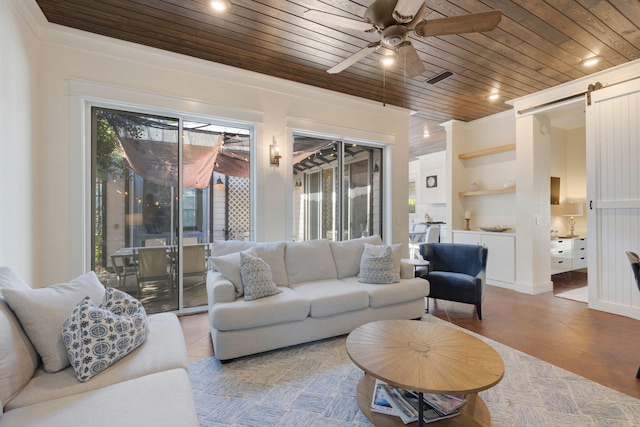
x,y
165,182
337,189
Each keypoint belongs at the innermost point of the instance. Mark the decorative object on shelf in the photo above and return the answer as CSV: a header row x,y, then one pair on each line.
x,y
432,181
474,186
572,210
467,218
509,184
274,153
495,228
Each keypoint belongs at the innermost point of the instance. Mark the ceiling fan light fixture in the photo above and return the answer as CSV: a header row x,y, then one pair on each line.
x,y
220,5
590,62
388,60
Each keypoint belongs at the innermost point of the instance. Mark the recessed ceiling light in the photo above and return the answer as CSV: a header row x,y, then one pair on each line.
x,y
220,5
590,62
493,97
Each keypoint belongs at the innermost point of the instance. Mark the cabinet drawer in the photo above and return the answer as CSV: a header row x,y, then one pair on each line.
x,y
561,245
580,262
559,265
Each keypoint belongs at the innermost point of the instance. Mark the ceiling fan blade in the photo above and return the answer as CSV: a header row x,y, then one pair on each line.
x,y
409,59
406,10
372,47
336,20
472,23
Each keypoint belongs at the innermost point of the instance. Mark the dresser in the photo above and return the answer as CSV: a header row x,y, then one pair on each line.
x,y
568,254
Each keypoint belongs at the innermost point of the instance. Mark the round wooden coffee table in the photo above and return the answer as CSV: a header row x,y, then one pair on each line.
x,y
427,358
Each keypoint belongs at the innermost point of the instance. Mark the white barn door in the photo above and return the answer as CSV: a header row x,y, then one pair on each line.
x,y
613,196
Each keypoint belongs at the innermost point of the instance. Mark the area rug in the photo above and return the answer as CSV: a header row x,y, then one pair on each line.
x,y
315,385
578,294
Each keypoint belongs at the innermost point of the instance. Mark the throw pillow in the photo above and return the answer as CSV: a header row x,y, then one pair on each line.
x,y
229,266
256,278
96,337
347,254
377,268
42,312
396,250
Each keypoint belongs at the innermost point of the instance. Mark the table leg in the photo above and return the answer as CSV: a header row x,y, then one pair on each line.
x,y
420,409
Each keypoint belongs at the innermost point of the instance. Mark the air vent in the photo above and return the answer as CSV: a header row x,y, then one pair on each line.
x,y
439,77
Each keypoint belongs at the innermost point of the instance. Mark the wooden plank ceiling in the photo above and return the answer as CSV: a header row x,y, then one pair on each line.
x,y
538,44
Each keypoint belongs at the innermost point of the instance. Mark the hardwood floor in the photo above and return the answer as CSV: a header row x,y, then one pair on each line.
x,y
599,346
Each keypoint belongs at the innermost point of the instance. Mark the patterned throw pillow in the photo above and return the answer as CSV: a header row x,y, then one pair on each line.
x,y
376,267
256,278
96,337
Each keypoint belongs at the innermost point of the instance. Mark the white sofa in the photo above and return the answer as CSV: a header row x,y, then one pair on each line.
x,y
321,295
148,387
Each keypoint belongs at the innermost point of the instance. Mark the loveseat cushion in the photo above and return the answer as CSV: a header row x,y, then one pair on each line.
x,y
162,399
347,254
309,261
396,293
329,297
273,254
18,358
164,349
42,312
286,306
229,266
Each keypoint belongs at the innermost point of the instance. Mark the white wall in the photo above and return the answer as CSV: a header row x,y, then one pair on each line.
x,y
19,172
75,67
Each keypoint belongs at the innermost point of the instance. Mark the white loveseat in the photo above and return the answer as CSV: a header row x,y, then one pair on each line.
x,y
321,295
148,387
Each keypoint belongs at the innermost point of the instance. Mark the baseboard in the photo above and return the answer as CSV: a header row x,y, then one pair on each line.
x,y
534,288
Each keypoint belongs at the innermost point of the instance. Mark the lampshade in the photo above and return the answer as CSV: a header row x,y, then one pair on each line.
x,y
572,209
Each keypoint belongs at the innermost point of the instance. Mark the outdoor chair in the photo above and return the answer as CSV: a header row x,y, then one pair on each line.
x,y
153,265
457,272
194,261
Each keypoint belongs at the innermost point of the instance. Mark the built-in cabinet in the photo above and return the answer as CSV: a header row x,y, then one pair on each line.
x,y
568,254
501,257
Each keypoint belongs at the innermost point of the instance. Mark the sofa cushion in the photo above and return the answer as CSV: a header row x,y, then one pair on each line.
x,y
256,276
378,251
42,312
97,337
18,358
397,293
347,254
226,247
162,399
377,268
309,260
164,349
273,254
286,306
329,297
229,266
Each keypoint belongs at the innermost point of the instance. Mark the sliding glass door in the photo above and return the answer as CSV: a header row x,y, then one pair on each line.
x,y
337,189
163,191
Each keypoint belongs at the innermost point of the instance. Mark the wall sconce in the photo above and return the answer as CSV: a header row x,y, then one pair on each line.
x,y
219,181
376,168
274,153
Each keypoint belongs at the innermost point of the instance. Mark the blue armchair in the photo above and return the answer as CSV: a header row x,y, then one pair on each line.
x,y
456,272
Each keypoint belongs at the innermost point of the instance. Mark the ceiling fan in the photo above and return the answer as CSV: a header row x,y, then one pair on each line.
x,y
393,20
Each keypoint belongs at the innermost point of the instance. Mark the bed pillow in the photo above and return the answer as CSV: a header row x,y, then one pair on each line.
x,y
377,266
42,312
229,266
96,337
256,278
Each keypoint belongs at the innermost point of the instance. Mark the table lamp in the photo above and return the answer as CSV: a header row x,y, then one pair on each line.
x,y
572,210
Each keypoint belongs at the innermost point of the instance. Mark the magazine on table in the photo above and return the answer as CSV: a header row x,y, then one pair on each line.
x,y
443,403
406,405
379,402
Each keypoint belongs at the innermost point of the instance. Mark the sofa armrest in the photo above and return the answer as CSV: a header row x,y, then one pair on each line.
x,y
406,271
219,288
